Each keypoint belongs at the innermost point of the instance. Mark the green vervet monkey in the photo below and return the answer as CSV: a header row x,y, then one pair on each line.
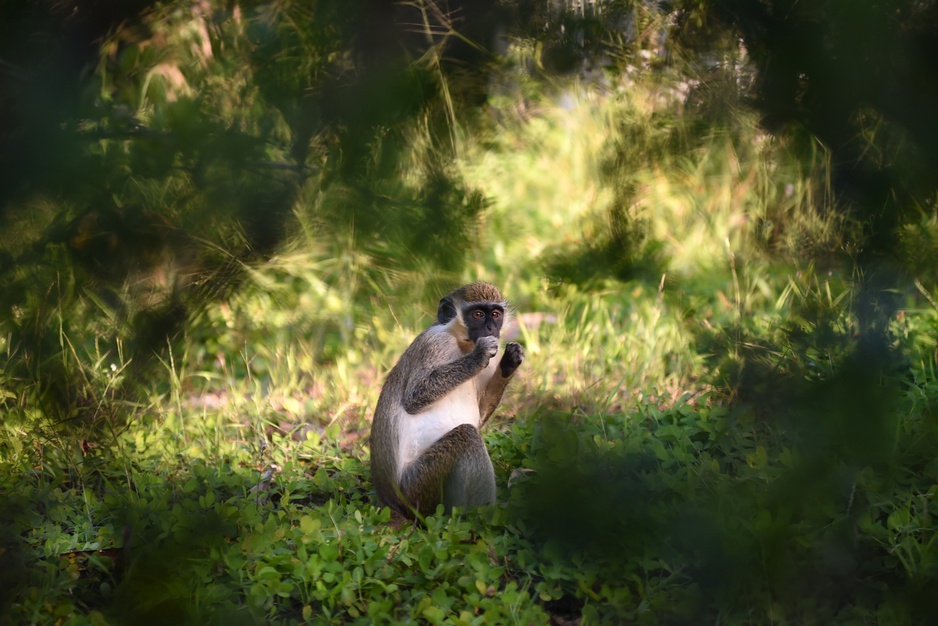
x,y
425,441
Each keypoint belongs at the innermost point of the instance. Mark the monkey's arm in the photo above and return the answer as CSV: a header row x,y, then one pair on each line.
x,y
427,387
492,396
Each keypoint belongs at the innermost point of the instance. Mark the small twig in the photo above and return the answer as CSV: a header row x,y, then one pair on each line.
x,y
924,292
263,486
396,547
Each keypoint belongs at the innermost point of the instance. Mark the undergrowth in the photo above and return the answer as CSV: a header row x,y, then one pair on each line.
x,y
701,432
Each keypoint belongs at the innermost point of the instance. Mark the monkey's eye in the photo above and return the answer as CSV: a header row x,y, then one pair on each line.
x,y
496,315
478,314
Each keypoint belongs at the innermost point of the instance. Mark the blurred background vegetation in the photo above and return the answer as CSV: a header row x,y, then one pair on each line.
x,y
715,219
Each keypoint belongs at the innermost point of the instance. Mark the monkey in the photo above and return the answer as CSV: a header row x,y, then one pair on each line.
x,y
425,443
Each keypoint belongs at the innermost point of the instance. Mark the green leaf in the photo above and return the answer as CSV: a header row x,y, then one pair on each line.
x,y
309,524
758,459
899,519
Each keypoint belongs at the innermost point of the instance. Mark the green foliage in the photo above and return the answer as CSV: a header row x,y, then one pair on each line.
x,y
198,541
201,138
727,411
699,512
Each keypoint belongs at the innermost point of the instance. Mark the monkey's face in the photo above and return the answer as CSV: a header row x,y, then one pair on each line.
x,y
477,310
483,320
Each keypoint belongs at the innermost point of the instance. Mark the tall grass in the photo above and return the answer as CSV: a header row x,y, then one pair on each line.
x,y
650,260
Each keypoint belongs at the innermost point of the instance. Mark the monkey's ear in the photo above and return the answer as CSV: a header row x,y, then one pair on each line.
x,y
446,312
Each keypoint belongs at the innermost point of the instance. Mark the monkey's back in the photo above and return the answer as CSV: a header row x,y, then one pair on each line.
x,y
384,429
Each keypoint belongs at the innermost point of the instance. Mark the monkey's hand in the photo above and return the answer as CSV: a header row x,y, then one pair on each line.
x,y
514,355
485,349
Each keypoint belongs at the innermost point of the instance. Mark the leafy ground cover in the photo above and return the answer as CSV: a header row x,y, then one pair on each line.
x,y
706,429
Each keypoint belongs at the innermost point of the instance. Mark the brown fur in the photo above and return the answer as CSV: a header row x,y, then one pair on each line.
x,y
478,292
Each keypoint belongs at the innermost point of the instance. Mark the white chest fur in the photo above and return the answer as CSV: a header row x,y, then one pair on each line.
x,y
460,406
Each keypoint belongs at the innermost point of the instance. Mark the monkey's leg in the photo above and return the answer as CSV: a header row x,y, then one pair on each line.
x,y
472,481
456,470
514,355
